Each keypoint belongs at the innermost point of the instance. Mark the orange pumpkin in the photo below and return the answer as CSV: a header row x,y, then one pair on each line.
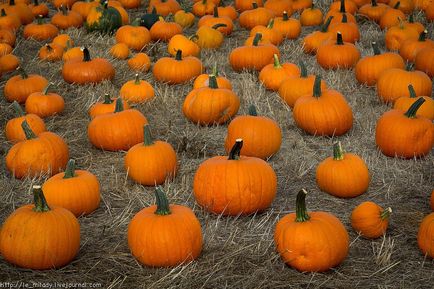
x,y
8,63
7,36
134,36
410,48
51,52
370,220
279,6
20,9
40,31
39,8
84,7
63,40
13,130
391,17
243,5
273,75
289,27
164,7
185,44
349,30
140,62
425,235
45,104
209,37
374,10
108,105
177,70
120,51
396,35
19,87
163,30
9,21
406,6
426,109
424,61
311,16
256,16
268,32
339,54
137,90
5,49
203,7
344,6
203,80
184,18
65,18
211,20
314,40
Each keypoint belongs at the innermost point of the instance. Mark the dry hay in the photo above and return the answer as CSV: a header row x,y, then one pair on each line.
x,y
238,251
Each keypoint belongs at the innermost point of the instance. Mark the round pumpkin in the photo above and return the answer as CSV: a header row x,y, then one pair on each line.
x,y
370,220
13,130
425,110
290,28
103,19
137,90
177,70
134,36
45,104
108,105
139,62
203,80
425,235
311,16
273,75
40,31
19,87
339,54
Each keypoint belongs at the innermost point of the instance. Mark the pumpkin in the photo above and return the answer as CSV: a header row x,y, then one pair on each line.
x,y
20,9
425,235
369,68
311,16
203,7
299,5
289,27
212,20
228,11
40,31
344,6
209,37
249,41
13,130
51,52
314,40
272,75
151,162
404,134
103,19
267,32
350,31
338,15
19,87
119,130
73,53
46,153
66,19
173,225
345,175
8,63
429,12
44,103
5,49
177,70
184,18
424,61
422,4
163,30
120,51
203,80
210,105
58,3
261,135
323,112
415,25
425,110
396,35
164,7
243,5
7,36
374,10
406,6
409,48
253,57
134,36
125,18
293,237
293,88
84,7
63,40
279,6
393,83
256,16
137,90
185,44
87,70
108,105
149,19
339,54
139,62
130,4
39,8
49,237
391,17
370,220
230,185
9,21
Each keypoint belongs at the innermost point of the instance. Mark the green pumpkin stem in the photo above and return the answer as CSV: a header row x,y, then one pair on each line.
x,y
317,86
339,40
376,48
344,18
252,110
178,55
258,37
300,207
218,25
163,207
216,12
408,66
27,130
107,99
411,91
411,112
234,154
18,109
312,6
342,8
119,105
338,152
411,18
64,10
212,81
285,16
154,10
254,5
215,70
147,138
326,25
386,213
70,169
136,22
40,202
3,13
86,54
303,69
276,61
270,24
45,91
137,79
11,2
397,5
193,37
422,36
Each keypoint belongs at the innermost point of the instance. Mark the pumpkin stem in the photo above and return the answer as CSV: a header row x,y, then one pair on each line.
x,y
22,72
411,112
409,66
107,99
215,70
11,2
339,40
49,48
411,18
397,5
411,91
40,20
147,139
376,48
234,154
178,55
45,91
137,79
252,110
64,10
258,37
386,213
212,82
317,86
285,16
270,24
218,25
163,207
276,62
35,2
27,130
119,105
300,207
254,5
193,37
154,10
39,200
326,25
303,69
401,23
344,18
374,3
422,36
342,8
86,54
216,12
70,169
17,108
338,152
3,13
136,22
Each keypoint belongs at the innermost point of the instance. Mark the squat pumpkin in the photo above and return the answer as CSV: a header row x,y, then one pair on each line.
x,y
137,90
108,105
177,70
339,54
273,75
425,110
425,236
370,220
13,130
19,87
45,103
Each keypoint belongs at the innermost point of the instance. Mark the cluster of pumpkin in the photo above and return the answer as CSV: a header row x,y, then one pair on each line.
x,y
115,126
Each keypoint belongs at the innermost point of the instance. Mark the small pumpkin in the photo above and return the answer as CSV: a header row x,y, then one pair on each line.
x,y
120,51
410,48
139,62
151,163
228,11
8,63
203,80
397,34
20,9
54,225
163,30
391,17
39,8
40,31
9,21
203,7
268,32
130,4
374,10
184,18
314,40
256,16
13,130
45,104
425,235
65,18
243,5
273,75
212,20
134,36
63,40
103,19
425,110
293,238
229,185
339,54
108,105
51,52
84,7
72,53
19,87
338,14
289,27
209,37
185,44
406,6
7,36
5,49
174,225
370,220
279,6
404,134
345,175
137,90
164,7
350,31
177,70
311,16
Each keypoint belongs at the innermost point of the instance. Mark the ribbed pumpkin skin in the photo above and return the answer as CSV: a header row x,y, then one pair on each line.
x,y
48,153
14,132
151,165
104,108
369,68
175,71
315,245
425,235
424,61
162,241
38,240
83,72
233,187
293,88
252,57
44,105
19,88
366,219
80,194
426,109
117,131
346,178
334,56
